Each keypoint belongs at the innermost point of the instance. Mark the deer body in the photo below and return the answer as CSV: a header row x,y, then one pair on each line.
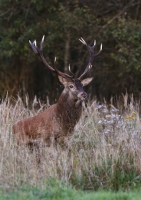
x,y
59,119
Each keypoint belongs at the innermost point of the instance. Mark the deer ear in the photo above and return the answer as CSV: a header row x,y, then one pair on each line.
x,y
63,80
86,81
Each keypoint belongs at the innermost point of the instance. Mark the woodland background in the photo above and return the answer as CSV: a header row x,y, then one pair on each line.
x,y
114,23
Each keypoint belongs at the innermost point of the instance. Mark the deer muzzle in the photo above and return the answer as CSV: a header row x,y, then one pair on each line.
x,y
82,95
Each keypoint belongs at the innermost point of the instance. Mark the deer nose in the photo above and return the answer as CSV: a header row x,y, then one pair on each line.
x,y
82,95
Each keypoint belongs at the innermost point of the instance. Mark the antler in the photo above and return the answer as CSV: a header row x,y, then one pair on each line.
x,y
92,56
40,52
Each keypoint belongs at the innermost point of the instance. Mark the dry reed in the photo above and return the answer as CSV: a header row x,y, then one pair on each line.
x,y
103,153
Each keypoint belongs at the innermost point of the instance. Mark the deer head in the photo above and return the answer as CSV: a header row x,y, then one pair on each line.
x,y
73,86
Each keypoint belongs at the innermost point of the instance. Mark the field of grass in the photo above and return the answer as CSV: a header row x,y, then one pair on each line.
x,y
103,154
59,191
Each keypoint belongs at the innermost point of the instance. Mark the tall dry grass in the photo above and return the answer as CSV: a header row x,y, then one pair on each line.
x,y
103,153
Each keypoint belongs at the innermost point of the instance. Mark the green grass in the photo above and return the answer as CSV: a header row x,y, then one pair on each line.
x,y
58,191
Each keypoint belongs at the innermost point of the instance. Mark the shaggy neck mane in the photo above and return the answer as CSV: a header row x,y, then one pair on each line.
x,y
69,111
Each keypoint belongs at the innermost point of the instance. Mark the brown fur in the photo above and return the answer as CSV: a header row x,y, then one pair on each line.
x,y
57,121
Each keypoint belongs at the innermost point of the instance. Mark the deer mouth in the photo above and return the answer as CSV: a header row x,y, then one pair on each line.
x,y
82,99
82,96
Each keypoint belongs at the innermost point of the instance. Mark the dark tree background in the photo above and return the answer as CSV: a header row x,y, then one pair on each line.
x,y
114,23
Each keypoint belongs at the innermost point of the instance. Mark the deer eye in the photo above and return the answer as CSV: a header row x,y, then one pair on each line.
x,y
70,86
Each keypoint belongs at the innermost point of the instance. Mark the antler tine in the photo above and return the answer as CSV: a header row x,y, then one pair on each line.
x,y
61,73
40,52
71,71
41,43
92,56
33,45
83,41
94,42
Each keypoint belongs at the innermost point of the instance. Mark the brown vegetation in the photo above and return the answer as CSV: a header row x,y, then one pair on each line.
x,y
104,151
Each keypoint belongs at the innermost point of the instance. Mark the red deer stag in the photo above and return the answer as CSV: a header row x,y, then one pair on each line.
x,y
59,119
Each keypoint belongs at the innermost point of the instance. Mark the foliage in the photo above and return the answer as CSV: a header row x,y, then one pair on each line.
x,y
112,22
